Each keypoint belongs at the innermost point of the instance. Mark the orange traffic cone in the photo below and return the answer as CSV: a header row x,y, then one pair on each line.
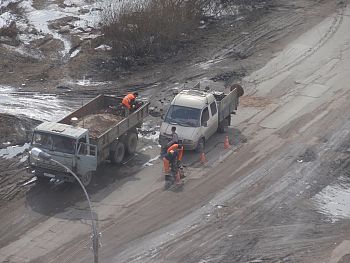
x,y
166,166
177,178
226,143
203,159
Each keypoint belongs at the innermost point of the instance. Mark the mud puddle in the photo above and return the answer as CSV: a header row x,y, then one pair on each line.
x,y
43,107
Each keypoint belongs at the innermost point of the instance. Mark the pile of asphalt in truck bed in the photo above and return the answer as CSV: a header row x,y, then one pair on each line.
x,y
99,123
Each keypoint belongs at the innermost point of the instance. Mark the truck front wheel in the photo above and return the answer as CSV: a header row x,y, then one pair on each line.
x,y
86,178
131,143
117,153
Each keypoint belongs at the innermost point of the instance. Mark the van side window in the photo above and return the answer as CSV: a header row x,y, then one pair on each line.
x,y
205,116
213,108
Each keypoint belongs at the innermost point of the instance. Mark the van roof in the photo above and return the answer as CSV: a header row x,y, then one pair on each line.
x,y
61,129
193,98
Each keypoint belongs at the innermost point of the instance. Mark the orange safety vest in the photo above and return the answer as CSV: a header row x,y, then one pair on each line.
x,y
127,100
175,147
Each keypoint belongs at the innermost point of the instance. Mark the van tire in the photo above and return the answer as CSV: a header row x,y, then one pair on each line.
x,y
240,90
200,146
117,154
131,142
223,126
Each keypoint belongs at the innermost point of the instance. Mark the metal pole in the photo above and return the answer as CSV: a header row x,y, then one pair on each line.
x,y
95,243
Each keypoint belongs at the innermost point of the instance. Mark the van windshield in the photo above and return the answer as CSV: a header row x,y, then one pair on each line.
x,y
184,116
54,142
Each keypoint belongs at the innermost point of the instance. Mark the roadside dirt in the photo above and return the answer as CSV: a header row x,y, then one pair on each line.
x,y
224,55
267,214
15,130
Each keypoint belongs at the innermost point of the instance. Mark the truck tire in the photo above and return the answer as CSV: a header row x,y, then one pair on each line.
x,y
42,180
223,126
240,90
117,154
86,179
131,143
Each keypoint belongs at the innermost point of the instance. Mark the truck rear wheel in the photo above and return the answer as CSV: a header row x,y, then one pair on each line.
x,y
117,154
131,143
40,179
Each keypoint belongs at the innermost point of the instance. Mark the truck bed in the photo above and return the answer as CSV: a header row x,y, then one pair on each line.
x,y
99,123
229,102
103,126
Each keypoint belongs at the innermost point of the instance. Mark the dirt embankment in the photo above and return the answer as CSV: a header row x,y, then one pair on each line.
x,y
15,130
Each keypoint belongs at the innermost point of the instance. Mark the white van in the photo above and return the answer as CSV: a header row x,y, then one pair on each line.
x,y
197,115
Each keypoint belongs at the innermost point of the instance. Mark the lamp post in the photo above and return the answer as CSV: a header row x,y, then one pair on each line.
x,y
38,153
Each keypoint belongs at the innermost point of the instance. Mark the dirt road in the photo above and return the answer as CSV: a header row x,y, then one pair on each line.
x,y
279,196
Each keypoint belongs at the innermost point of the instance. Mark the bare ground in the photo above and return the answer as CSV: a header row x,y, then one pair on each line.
x,y
267,215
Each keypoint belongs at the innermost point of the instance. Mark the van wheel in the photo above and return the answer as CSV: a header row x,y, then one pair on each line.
x,y
86,178
131,143
117,154
200,146
240,90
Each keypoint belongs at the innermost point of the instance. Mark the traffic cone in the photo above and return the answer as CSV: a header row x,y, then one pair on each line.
x,y
166,166
177,178
203,159
226,142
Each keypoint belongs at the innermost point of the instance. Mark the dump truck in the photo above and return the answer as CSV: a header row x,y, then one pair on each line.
x,y
198,114
83,140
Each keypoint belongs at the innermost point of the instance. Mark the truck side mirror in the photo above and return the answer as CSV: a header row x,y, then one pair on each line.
x,y
205,124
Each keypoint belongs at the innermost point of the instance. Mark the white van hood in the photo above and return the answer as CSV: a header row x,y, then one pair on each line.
x,y
184,133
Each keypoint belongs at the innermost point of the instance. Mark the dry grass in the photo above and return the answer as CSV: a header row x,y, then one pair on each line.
x,y
10,30
152,27
142,28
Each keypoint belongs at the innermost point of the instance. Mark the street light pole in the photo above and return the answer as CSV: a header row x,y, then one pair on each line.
x,y
95,243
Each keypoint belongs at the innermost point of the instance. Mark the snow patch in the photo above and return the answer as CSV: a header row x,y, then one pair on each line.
x,y
333,201
24,51
88,82
75,52
103,47
5,3
13,151
6,19
149,163
45,107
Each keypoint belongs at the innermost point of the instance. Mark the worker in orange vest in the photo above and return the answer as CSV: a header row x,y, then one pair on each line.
x,y
170,161
173,159
129,102
179,148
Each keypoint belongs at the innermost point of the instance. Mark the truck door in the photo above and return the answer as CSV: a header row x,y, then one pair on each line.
x,y
86,158
205,123
214,118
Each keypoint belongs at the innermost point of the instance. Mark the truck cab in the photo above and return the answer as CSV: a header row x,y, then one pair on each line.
x,y
194,113
70,146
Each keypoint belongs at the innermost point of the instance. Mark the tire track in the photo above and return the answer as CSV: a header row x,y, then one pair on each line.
x,y
336,23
